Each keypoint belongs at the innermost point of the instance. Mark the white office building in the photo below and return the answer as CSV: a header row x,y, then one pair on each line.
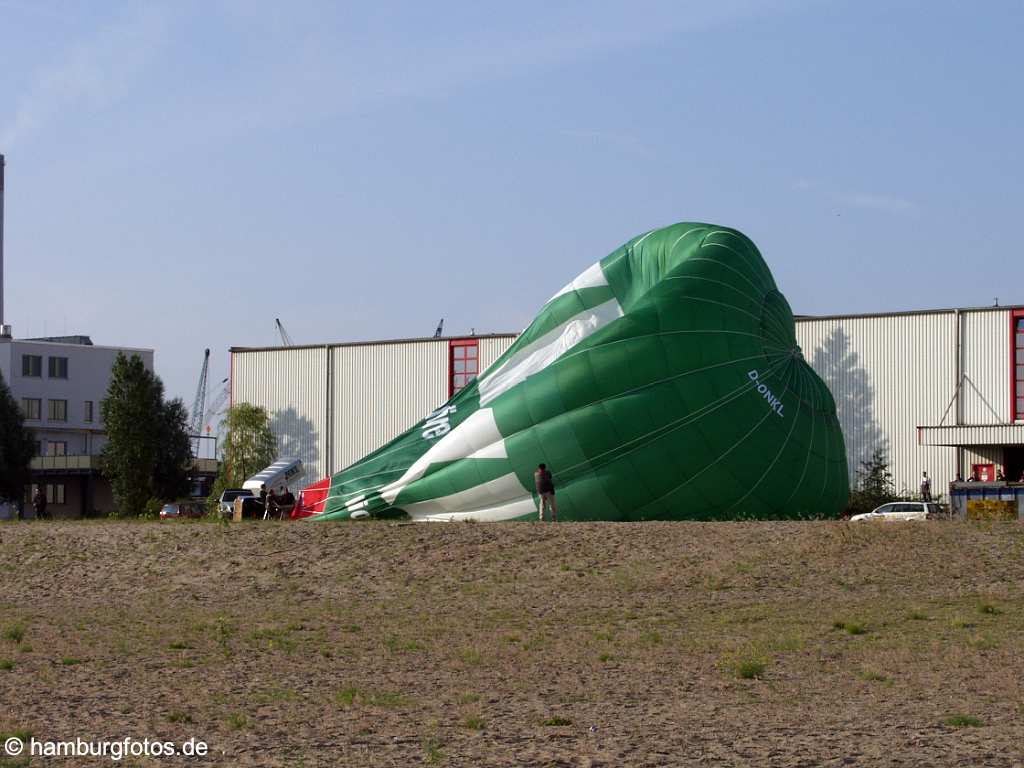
x,y
59,383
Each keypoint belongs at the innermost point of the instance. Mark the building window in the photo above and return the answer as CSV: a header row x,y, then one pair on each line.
x,y
58,367
463,364
57,448
37,446
32,366
55,493
57,410
1018,365
88,410
33,407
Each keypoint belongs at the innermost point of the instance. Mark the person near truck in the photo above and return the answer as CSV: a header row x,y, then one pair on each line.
x,y
272,505
286,501
926,487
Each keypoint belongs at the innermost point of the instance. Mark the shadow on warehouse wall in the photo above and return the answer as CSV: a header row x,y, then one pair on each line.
x,y
850,384
296,438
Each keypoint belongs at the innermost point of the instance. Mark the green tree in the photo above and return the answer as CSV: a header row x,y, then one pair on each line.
x,y
249,445
16,447
874,484
147,452
174,452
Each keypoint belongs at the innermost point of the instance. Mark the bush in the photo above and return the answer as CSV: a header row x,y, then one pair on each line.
x,y
152,509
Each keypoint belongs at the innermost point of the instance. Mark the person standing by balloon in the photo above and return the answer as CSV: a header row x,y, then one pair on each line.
x,y
545,485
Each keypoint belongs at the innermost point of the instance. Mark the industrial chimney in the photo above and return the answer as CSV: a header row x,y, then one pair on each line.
x,y
5,330
1,241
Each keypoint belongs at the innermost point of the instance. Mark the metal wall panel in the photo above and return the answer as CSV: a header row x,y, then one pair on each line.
x,y
976,434
493,347
380,390
888,374
291,384
985,395
982,454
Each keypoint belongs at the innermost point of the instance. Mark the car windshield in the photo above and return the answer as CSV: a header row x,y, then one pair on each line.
x,y
234,494
170,507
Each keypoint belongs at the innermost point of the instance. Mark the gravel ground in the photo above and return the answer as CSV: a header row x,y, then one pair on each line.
x,y
384,644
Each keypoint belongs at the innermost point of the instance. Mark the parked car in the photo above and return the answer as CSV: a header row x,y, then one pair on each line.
x,y
188,508
226,503
901,510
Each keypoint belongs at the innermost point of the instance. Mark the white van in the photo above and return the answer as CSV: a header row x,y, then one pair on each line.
x,y
284,472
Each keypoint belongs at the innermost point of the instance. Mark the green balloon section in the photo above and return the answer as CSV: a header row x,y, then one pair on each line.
x,y
663,383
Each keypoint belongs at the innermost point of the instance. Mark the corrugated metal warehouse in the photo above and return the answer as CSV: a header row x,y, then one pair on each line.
x,y
941,391
330,405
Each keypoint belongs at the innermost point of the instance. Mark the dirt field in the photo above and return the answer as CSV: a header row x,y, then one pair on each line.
x,y
796,644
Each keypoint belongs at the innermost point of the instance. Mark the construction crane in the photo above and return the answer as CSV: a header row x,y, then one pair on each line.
x,y
199,404
286,340
440,328
217,405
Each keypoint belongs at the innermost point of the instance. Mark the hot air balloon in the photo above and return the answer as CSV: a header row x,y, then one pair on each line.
x,y
663,383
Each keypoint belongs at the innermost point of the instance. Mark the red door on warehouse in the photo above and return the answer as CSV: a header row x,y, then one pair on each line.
x,y
986,473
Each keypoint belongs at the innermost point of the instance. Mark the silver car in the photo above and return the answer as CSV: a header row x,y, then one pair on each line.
x,y
901,510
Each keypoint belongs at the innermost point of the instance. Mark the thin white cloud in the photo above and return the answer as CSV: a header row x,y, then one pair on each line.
x,y
94,74
888,203
36,8
312,70
877,201
620,141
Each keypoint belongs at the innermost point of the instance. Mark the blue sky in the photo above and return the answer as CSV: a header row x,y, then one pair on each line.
x,y
181,173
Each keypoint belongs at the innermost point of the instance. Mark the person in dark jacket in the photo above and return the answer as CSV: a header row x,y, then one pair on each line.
x,y
286,503
39,503
545,485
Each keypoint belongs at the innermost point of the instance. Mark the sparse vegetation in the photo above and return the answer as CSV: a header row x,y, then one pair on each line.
x,y
353,697
875,677
346,697
15,633
963,721
557,720
6,665
432,750
746,666
850,627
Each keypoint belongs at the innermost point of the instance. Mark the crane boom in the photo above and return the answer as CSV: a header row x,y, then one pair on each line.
x,y
195,422
217,405
285,338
